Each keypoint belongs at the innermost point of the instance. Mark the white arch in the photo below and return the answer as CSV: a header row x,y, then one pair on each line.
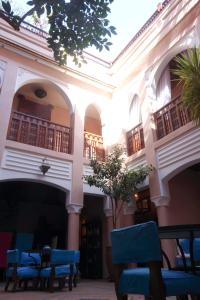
x,y
36,79
154,72
134,112
96,107
56,186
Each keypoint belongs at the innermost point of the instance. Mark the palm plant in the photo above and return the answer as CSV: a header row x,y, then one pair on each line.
x,y
114,179
188,74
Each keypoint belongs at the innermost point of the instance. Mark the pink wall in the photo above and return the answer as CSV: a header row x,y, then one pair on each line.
x,y
184,204
93,125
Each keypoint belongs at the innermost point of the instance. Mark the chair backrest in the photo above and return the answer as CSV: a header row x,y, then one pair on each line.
x,y
61,257
77,256
5,244
137,243
185,244
30,259
13,256
24,241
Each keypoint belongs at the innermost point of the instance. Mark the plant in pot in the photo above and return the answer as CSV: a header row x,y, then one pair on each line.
x,y
116,181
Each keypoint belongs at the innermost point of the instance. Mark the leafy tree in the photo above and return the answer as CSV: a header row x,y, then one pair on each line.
x,y
188,73
114,179
74,25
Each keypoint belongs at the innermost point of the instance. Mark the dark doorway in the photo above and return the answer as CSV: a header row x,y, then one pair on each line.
x,y
27,206
91,229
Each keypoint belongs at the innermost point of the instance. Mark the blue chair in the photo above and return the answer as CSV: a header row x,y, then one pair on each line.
x,y
185,245
22,266
140,244
61,266
24,241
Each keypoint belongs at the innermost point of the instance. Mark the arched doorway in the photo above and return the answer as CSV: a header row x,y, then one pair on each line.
x,y
93,140
184,188
92,232
25,205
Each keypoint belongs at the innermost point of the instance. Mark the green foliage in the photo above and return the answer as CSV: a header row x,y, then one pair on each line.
x,y
188,73
74,25
114,179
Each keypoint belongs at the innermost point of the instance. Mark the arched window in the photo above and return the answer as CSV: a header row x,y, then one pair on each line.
x,y
134,112
163,92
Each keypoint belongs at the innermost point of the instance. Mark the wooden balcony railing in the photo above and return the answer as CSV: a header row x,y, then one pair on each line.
x,y
93,146
135,140
171,117
38,132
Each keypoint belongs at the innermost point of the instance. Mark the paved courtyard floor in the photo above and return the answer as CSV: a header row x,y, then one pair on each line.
x,y
86,290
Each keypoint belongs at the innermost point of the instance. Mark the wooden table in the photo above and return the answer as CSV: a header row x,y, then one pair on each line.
x,y
186,231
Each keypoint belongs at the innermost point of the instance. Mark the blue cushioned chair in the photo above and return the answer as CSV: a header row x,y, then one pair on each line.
x,y
140,244
24,241
22,266
61,266
185,245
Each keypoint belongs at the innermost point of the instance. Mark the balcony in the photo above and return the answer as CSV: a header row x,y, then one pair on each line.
x,y
93,146
38,132
135,140
171,117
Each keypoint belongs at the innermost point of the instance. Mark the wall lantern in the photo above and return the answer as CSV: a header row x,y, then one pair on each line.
x,y
40,93
44,166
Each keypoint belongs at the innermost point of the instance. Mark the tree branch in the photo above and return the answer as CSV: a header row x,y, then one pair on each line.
x,y
9,20
28,13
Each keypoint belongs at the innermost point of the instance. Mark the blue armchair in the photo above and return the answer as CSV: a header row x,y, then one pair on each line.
x,y
22,266
185,245
140,244
61,266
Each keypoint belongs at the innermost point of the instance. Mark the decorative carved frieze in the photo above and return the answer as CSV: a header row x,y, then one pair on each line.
x,y
74,208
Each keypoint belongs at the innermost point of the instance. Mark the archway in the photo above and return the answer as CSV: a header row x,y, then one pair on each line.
x,y
41,116
184,206
25,205
92,235
93,140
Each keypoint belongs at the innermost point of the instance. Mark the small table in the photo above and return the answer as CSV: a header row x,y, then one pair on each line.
x,y
186,231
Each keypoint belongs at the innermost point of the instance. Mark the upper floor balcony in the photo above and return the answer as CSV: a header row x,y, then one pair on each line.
x,y
135,140
93,146
170,117
27,129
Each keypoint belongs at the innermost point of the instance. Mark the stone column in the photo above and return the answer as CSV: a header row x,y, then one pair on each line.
x,y
8,74
73,226
169,246
75,200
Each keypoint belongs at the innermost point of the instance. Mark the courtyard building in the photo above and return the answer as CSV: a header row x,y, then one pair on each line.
x,y
54,119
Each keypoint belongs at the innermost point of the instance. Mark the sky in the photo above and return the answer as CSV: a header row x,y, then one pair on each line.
x,y
128,16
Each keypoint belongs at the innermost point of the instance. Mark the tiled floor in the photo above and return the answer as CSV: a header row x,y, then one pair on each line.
x,y
86,290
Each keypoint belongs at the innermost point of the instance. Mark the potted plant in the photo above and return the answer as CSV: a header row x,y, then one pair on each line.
x,y
118,183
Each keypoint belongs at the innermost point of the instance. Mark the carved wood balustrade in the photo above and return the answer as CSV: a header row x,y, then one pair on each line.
x,y
38,132
171,117
93,146
135,140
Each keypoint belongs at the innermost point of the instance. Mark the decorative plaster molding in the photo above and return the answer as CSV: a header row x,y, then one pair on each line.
x,y
2,71
160,200
74,208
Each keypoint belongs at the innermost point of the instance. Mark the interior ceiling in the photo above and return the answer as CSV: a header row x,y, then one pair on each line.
x,y
53,97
